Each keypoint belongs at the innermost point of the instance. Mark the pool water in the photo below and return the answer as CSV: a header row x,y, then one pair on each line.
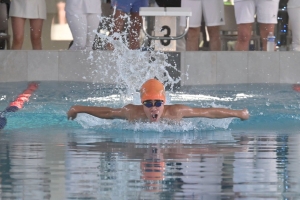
x,y
45,156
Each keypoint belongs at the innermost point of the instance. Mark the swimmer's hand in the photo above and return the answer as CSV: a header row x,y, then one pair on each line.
x,y
72,113
244,115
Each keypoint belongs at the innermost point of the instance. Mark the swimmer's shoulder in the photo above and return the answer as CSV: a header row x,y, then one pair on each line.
x,y
131,108
133,112
175,111
176,107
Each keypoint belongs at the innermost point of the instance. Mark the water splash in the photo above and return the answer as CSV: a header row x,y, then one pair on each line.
x,y
129,68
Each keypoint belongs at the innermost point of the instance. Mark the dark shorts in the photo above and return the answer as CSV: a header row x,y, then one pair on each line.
x,y
129,6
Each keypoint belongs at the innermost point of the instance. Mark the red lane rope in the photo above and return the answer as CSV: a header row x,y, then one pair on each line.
x,y
296,87
24,96
18,103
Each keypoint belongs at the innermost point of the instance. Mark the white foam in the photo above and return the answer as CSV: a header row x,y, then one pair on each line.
x,y
194,124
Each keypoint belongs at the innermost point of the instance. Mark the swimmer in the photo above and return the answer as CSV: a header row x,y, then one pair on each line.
x,y
153,108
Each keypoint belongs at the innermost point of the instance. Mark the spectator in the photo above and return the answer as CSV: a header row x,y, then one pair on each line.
x,y
131,7
266,12
83,17
35,11
293,7
213,12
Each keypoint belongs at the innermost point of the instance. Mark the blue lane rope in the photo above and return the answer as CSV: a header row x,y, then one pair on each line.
x,y
3,119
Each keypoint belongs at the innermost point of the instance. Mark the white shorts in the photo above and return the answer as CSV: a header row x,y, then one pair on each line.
x,y
35,9
213,12
265,10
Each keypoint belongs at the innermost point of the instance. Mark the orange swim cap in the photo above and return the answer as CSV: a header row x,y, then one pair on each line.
x,y
152,90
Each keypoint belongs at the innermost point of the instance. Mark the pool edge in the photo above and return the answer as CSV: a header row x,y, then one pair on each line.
x,y
196,67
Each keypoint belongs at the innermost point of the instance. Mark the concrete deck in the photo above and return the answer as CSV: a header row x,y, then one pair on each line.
x,y
197,68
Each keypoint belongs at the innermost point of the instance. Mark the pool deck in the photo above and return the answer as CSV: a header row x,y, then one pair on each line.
x,y
197,68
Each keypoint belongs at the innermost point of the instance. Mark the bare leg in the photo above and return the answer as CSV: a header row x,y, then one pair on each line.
x,y
214,38
17,24
136,23
118,26
244,35
264,30
61,12
36,26
192,39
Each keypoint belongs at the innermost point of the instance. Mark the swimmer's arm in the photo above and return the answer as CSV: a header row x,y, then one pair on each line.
x,y
101,112
215,113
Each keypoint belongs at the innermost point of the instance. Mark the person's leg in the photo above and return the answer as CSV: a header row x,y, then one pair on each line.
x,y
118,26
213,12
294,16
78,26
267,18
136,23
17,24
135,28
214,38
92,26
192,39
244,14
244,36
36,26
193,34
264,30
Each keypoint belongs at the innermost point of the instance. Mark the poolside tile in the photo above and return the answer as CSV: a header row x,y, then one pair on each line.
x,y
13,66
3,65
102,67
289,67
198,68
43,65
231,67
263,67
73,66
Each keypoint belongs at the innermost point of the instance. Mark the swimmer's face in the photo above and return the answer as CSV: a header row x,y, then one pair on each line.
x,y
153,109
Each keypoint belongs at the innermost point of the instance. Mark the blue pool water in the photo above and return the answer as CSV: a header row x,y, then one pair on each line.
x,y
45,156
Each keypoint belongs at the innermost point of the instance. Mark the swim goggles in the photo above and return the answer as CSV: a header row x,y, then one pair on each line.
x,y
150,104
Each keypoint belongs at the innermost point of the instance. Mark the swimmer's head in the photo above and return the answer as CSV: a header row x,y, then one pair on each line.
x,y
153,98
152,90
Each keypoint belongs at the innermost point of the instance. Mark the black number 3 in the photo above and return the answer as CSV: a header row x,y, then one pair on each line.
x,y
166,42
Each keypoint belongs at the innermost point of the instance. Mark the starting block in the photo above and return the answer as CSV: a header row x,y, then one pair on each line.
x,y
165,28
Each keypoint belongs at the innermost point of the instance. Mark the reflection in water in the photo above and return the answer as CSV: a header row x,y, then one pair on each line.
x,y
44,156
23,169
256,168
90,166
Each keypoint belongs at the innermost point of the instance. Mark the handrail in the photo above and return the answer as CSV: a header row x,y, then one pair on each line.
x,y
166,11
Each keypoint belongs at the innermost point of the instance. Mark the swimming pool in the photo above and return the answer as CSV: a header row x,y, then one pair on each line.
x,y
45,156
